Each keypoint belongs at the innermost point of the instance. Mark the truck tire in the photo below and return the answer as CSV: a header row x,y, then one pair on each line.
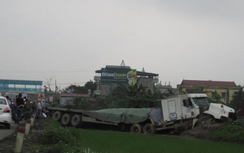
x,y
75,120
57,116
149,128
206,120
66,119
136,128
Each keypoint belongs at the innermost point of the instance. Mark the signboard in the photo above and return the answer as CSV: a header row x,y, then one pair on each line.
x,y
119,76
41,97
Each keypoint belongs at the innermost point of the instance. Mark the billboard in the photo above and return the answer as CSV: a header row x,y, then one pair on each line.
x,y
119,76
20,85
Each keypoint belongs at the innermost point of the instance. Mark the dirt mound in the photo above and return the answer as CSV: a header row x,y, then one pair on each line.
x,y
201,132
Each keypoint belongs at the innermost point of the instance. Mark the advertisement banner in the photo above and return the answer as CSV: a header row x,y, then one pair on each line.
x,y
120,76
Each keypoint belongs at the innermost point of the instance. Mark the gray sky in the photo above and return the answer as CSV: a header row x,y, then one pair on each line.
x,y
69,40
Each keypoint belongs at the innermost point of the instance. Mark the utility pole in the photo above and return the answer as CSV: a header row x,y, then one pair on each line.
x,y
56,90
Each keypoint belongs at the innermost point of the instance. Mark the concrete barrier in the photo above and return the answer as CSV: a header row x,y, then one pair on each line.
x,y
19,139
27,126
32,119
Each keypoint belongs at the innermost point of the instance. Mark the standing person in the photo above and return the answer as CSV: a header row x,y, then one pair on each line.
x,y
27,106
39,109
43,106
34,108
19,111
14,109
9,102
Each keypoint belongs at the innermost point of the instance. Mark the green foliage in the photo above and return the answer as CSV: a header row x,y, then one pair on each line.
x,y
54,105
238,98
27,115
57,134
91,85
60,138
239,122
75,89
133,97
230,133
216,97
120,142
81,103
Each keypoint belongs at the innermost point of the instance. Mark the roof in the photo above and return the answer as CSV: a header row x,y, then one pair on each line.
x,y
74,95
139,73
209,83
113,67
116,67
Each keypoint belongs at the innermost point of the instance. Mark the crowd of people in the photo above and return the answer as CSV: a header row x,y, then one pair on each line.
x,y
21,105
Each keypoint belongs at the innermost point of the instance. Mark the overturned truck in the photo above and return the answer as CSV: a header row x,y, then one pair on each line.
x,y
175,114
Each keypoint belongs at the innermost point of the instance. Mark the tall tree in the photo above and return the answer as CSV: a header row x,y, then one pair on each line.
x,y
238,98
90,85
75,89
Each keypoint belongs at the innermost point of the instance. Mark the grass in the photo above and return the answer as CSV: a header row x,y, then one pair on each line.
x,y
118,142
72,140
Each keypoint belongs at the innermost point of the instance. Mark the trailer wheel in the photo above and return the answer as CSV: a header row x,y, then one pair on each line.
x,y
75,120
136,128
66,119
56,116
149,129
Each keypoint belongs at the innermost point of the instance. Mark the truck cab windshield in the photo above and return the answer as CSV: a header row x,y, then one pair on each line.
x,y
201,101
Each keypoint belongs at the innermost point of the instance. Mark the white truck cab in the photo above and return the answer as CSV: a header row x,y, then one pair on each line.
x,y
193,106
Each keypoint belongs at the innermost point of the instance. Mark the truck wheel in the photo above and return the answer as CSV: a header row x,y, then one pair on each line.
x,y
75,120
148,129
66,119
136,128
206,120
56,116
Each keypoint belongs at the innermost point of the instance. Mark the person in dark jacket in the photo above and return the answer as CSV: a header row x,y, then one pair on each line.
x,y
19,107
33,108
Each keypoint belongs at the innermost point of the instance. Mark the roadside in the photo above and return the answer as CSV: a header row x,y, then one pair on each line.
x,y
48,136
7,132
7,143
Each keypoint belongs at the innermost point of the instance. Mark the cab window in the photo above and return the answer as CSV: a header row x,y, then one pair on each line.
x,y
187,103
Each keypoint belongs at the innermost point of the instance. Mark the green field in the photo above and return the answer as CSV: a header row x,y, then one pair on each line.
x,y
118,142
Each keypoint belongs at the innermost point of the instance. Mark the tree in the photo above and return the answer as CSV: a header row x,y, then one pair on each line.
x,y
75,89
90,85
216,97
238,98
131,97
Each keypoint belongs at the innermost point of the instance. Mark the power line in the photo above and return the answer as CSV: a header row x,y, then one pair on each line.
x,y
74,83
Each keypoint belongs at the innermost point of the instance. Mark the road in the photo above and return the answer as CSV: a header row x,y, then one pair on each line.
x,y
6,132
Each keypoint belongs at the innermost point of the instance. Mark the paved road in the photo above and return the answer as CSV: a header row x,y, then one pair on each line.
x,y
6,132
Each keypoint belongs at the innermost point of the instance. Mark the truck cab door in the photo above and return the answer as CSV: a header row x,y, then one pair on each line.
x,y
188,110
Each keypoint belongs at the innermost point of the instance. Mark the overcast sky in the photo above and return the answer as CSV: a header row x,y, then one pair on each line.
x,y
69,40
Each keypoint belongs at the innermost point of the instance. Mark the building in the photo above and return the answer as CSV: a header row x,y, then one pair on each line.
x,y
225,89
112,76
165,88
68,98
13,87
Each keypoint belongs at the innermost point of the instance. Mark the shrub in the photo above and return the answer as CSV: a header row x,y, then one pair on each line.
x,y
81,103
231,133
239,122
27,115
56,134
